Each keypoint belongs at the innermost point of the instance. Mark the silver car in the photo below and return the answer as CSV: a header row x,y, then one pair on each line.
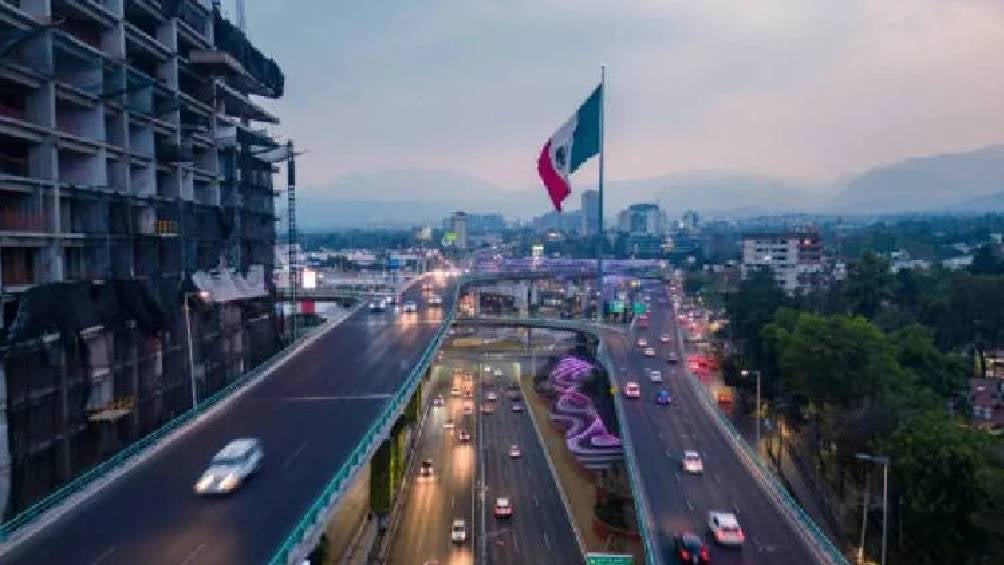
x,y
231,466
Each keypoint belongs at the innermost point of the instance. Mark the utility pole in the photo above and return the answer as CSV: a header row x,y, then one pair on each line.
x,y
600,242
291,225
884,461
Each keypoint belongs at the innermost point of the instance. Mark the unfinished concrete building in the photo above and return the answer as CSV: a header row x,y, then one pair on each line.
x,y
135,177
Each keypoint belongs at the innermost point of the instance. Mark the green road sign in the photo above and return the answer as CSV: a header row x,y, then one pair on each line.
x,y
617,307
608,559
639,308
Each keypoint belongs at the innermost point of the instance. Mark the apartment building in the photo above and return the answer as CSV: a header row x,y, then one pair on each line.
x,y
795,258
135,178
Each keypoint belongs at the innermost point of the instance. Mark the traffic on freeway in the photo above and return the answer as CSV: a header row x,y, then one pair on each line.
x,y
695,484
308,416
521,518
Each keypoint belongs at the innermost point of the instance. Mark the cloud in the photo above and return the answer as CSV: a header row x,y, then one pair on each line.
x,y
793,88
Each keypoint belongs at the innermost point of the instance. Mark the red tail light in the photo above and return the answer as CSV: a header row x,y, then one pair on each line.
x,y
704,553
684,555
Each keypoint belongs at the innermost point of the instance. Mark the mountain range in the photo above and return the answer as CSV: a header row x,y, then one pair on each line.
x,y
964,182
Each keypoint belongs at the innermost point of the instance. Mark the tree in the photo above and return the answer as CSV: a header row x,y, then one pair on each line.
x,y
869,284
929,367
937,467
985,262
752,307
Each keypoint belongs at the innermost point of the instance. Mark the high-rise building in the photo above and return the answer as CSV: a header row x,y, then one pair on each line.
x,y
642,219
795,258
458,225
568,222
133,181
590,206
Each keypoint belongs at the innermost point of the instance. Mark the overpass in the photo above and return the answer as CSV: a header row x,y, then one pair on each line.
x,y
356,379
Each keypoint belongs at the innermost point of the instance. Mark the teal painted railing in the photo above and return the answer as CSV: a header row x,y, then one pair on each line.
x,y
82,481
370,441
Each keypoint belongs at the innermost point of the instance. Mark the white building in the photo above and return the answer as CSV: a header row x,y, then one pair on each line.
x,y
642,219
795,258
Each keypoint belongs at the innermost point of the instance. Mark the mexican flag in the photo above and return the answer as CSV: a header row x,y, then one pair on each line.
x,y
573,144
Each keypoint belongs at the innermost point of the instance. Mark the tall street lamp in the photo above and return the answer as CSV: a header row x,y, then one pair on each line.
x,y
884,461
756,372
204,296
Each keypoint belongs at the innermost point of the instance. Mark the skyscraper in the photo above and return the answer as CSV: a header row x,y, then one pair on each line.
x,y
590,212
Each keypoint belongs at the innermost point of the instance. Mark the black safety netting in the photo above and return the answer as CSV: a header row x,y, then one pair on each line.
x,y
265,70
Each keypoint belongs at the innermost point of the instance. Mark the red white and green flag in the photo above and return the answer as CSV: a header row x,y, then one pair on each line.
x,y
575,142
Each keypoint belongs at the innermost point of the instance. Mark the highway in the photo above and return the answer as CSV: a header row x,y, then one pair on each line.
x,y
309,414
660,434
539,532
423,533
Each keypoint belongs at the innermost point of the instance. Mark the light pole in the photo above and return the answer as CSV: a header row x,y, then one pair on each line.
x,y
756,372
203,295
884,461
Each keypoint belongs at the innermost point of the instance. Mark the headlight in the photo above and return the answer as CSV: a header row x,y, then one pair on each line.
x,y
204,483
229,482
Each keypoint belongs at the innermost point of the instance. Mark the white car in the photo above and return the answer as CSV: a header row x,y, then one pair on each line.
x,y
642,342
503,508
458,533
438,401
491,396
435,300
498,372
515,451
632,390
231,466
655,375
649,352
664,338
410,306
455,391
692,462
725,528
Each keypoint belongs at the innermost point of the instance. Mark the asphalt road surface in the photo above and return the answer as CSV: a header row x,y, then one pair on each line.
x,y
680,501
309,414
423,534
539,532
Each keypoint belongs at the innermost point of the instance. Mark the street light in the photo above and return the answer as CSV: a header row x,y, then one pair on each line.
x,y
203,295
884,461
756,372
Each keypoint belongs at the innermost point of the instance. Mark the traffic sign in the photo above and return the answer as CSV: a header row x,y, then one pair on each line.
x,y
639,308
617,307
608,559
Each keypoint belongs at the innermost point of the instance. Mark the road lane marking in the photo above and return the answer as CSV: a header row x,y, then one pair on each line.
x,y
547,541
690,505
717,478
193,554
381,396
103,556
536,502
678,476
294,454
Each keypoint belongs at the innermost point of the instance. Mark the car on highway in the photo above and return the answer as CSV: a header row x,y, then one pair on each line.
x,y
672,358
498,372
514,451
691,549
464,436
692,462
517,406
468,393
642,342
487,408
725,528
491,396
438,401
377,306
410,306
663,398
632,390
503,507
655,375
649,352
455,391
448,424
664,338
425,469
435,300
468,408
231,466
458,532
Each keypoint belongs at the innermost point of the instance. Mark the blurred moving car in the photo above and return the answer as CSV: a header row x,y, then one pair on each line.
x,y
517,406
642,342
725,528
231,466
692,462
438,401
410,306
649,352
664,338
458,532
655,375
662,397
435,300
672,359
448,424
514,451
425,469
464,436
503,507
691,549
632,390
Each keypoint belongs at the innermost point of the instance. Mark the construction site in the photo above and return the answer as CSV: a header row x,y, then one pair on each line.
x,y
137,225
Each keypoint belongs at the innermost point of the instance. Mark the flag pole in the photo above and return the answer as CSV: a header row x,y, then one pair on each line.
x,y
600,242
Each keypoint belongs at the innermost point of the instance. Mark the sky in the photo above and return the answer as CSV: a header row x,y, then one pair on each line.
x,y
802,89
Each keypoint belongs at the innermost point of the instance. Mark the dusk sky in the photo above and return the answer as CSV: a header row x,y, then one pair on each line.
x,y
799,88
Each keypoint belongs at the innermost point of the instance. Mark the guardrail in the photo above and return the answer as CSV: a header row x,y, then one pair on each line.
x,y
816,540
85,479
289,551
